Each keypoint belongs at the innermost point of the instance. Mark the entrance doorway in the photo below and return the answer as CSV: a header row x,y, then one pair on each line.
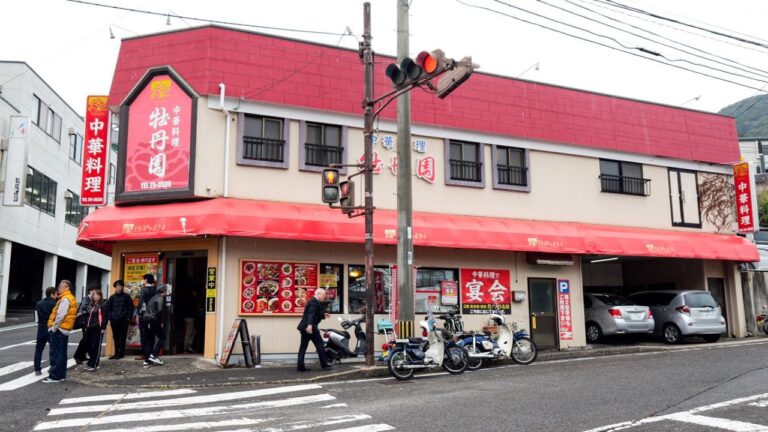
x,y
716,287
185,324
542,295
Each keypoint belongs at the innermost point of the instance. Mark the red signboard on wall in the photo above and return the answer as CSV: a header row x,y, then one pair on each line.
x,y
276,287
483,290
157,124
745,202
565,321
95,151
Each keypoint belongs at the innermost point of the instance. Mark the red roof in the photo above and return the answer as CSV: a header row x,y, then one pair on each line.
x,y
287,221
283,71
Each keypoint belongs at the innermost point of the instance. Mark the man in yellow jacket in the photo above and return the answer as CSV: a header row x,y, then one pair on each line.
x,y
61,322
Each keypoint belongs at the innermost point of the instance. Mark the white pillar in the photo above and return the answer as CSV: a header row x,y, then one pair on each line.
x,y
81,280
105,282
49,272
5,276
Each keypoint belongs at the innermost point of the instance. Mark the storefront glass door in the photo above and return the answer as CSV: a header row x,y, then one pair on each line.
x,y
543,316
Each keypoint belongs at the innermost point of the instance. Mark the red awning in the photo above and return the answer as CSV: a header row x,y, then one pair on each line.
x,y
288,221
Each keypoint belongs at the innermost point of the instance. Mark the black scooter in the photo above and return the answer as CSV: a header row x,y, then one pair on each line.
x,y
337,341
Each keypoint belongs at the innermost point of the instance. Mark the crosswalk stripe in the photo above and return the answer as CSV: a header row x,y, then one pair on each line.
x,y
191,426
293,426
17,345
126,396
15,367
367,428
190,412
720,423
27,380
182,401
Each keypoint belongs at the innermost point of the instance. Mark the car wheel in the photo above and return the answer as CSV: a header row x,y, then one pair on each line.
x,y
594,333
671,334
711,338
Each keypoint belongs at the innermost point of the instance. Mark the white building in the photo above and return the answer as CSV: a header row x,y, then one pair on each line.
x,y
37,238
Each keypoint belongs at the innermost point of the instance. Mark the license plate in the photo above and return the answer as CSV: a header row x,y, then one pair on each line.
x,y
707,314
636,316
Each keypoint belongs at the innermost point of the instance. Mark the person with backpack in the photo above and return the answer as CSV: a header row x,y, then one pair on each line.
x,y
43,308
94,328
120,310
151,322
145,295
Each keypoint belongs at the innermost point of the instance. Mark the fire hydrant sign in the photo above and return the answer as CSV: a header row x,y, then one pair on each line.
x,y
483,290
95,152
746,211
565,321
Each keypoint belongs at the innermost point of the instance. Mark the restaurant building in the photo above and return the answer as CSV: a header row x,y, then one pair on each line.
x,y
526,195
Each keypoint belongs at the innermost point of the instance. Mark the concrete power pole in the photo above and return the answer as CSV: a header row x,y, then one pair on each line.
x,y
367,54
405,289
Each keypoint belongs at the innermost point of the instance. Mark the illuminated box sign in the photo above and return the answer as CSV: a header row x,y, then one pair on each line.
x,y
157,142
95,151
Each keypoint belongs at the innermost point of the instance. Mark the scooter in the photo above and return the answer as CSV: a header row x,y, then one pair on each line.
x,y
408,355
337,341
510,342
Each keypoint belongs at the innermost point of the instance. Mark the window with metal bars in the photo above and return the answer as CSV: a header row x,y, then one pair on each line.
x,y
623,178
323,145
465,162
263,139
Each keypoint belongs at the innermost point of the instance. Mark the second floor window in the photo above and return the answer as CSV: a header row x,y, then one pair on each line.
x,y
75,212
623,178
76,147
510,166
40,191
323,146
465,162
263,139
46,119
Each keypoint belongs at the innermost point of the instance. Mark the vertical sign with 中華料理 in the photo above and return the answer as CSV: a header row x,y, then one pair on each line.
x,y
746,206
210,291
483,291
95,151
16,165
565,321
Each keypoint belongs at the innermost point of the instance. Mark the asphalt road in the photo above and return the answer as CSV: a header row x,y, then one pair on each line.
x,y
697,389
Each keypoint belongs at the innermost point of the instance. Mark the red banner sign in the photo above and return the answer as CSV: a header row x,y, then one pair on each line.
x,y
159,138
484,290
95,151
268,287
745,209
565,321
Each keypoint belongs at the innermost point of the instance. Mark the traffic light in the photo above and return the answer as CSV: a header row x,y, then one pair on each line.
x,y
347,196
412,72
330,192
450,80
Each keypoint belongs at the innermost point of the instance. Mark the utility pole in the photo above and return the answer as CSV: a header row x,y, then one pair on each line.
x,y
405,289
367,55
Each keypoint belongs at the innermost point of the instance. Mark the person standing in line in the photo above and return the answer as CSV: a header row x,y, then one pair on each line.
x,y
120,310
60,323
145,295
191,305
95,326
43,309
313,314
151,321
82,346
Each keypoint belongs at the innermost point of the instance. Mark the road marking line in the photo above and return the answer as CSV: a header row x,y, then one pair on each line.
x,y
191,400
17,327
307,424
192,426
760,404
15,367
17,345
727,403
124,396
27,380
190,412
338,405
715,422
367,428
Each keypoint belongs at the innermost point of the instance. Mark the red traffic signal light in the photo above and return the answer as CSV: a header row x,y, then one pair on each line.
x,y
415,72
432,62
347,196
330,192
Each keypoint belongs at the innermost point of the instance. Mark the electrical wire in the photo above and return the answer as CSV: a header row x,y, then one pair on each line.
x,y
741,111
608,46
642,49
181,17
672,20
735,65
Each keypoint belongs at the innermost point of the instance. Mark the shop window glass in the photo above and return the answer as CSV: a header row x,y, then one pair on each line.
x,y
429,282
332,279
382,282
40,191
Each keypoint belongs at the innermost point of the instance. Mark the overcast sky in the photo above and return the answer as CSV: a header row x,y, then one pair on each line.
x,y
69,43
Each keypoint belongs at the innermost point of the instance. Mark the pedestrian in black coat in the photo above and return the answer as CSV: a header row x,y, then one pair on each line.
x,y
95,326
43,308
120,308
313,314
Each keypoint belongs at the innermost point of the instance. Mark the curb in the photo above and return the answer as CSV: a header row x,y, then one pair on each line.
x,y
379,371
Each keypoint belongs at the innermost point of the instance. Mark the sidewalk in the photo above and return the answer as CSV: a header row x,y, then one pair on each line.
x,y
194,371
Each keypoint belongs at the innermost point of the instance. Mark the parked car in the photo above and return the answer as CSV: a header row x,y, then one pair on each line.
x,y
610,314
683,313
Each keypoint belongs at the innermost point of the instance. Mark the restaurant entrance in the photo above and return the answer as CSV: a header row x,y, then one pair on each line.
x,y
185,324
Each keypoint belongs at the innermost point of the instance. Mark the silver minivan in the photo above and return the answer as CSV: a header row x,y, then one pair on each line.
x,y
683,313
609,314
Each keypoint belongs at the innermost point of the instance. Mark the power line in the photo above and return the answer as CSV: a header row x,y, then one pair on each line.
x,y
672,20
642,49
745,68
181,17
606,45
743,110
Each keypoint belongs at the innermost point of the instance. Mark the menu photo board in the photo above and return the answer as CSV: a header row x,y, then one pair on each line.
x,y
276,287
134,269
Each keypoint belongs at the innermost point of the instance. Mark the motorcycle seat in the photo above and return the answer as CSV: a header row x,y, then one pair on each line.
x,y
341,332
415,340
